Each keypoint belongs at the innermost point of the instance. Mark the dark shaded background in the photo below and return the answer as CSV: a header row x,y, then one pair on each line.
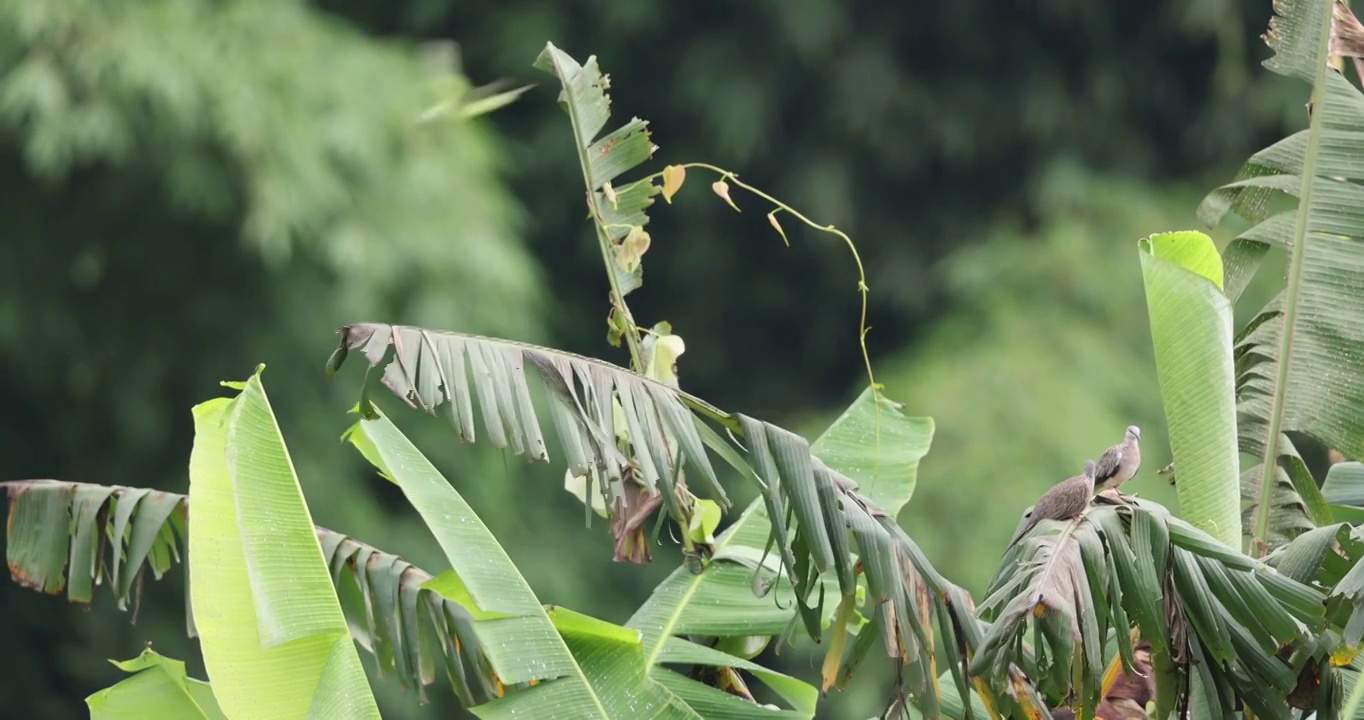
x,y
192,187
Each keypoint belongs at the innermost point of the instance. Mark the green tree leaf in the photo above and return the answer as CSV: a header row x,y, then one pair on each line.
x,y
430,369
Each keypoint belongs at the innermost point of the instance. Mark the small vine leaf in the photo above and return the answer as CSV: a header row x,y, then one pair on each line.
x,y
673,177
610,194
632,249
721,188
616,326
772,220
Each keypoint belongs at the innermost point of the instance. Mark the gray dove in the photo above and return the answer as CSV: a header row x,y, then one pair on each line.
x,y
1120,462
1065,500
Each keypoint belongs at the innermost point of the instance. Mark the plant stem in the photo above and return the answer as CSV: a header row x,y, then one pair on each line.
x,y
617,299
1167,682
862,289
604,244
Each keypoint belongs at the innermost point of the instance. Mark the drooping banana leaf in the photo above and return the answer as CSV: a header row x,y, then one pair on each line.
x,y
428,369
1050,585
1299,360
431,369
377,590
273,636
879,448
1329,556
50,531
1187,593
410,629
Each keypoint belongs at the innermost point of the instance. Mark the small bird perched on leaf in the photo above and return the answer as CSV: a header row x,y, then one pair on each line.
x,y
1065,500
1120,462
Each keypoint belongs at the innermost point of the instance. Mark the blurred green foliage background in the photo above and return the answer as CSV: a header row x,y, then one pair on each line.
x,y
193,187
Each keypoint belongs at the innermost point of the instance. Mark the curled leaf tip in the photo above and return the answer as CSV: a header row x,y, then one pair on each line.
x,y
631,250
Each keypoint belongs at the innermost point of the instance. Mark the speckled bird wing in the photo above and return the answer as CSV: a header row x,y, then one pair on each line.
x,y
1108,465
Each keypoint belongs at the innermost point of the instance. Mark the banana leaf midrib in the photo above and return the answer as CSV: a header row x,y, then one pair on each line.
x,y
1292,294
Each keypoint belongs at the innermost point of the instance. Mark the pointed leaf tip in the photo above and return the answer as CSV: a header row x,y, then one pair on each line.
x,y
772,220
721,188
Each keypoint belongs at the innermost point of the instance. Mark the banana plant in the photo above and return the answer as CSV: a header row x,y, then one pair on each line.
x,y
265,622
817,523
1213,618
1125,590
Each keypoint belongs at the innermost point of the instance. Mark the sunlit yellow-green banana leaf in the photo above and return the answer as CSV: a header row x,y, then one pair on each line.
x,y
1191,331
274,640
158,688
